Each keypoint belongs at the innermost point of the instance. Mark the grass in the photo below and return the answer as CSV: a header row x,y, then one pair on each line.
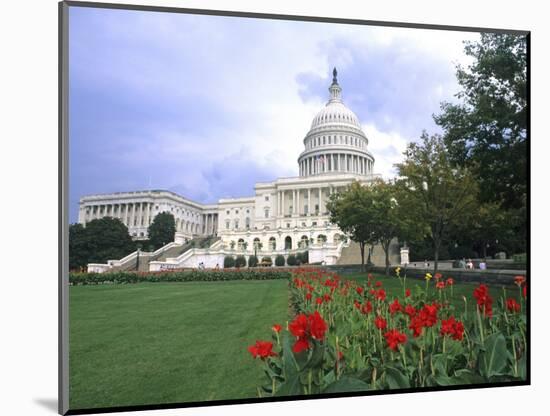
x,y
393,288
165,343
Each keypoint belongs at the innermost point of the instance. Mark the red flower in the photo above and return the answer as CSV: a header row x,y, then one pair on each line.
x,y
303,327
372,292
359,290
407,293
395,306
317,326
438,276
512,305
452,328
277,328
484,300
299,326
416,325
319,301
381,295
340,355
367,307
410,310
357,304
524,291
378,284
519,280
440,285
262,349
308,296
300,345
380,322
326,298
394,338
428,315
369,276
450,281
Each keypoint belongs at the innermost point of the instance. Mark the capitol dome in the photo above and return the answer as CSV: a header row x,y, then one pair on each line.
x,y
335,142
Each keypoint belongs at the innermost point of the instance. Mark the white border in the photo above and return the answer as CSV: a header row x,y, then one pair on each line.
x,y
28,129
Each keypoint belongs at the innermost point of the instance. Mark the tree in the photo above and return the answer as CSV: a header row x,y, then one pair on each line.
x,y
487,130
162,230
106,239
78,252
434,192
388,215
349,210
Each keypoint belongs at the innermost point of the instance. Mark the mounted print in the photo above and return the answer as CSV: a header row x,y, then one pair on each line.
x,y
264,207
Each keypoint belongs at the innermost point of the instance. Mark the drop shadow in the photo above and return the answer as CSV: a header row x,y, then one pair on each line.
x,y
49,404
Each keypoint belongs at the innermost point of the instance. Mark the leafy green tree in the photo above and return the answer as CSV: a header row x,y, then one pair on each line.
x,y
434,191
78,252
387,211
486,131
252,261
228,262
279,260
162,230
106,239
350,211
240,261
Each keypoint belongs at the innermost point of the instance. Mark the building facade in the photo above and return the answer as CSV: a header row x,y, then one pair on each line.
x,y
286,214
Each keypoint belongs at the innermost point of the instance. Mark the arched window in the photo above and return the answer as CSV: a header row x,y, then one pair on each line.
x,y
288,243
337,238
321,239
304,241
247,222
272,243
240,244
256,243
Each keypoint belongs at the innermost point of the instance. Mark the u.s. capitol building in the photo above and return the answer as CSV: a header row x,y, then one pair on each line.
x,y
283,216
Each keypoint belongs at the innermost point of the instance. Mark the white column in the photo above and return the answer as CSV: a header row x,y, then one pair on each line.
x,y
320,201
332,162
283,203
133,215
309,201
298,202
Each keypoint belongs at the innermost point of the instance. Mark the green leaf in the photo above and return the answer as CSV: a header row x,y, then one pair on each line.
x,y
396,379
346,384
465,376
492,360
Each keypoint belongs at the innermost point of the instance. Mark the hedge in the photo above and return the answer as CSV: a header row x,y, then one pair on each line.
x,y
77,278
240,261
291,260
252,261
279,260
228,261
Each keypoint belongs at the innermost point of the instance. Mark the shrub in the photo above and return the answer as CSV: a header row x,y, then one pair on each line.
x,y
228,262
252,261
77,278
303,257
280,260
267,260
240,261
291,260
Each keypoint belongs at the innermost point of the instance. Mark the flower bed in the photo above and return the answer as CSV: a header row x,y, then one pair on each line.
x,y
350,337
209,275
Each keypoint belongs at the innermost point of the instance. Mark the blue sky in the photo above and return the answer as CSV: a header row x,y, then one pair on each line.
x,y
207,106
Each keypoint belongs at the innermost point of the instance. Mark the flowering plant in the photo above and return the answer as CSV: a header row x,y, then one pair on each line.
x,y
360,340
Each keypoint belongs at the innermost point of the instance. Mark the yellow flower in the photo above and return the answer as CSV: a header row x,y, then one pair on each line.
x,y
428,276
397,270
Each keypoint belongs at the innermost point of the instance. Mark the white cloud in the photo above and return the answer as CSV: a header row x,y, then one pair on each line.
x,y
387,149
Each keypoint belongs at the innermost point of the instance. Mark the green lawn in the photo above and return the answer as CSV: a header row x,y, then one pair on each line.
x,y
393,288
163,343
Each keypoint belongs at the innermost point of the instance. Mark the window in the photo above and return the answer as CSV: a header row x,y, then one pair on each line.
x,y
247,222
266,213
227,225
304,224
236,211
306,209
314,224
287,225
227,212
236,223
267,197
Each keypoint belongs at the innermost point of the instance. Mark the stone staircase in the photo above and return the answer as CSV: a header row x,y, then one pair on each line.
x,y
352,254
176,251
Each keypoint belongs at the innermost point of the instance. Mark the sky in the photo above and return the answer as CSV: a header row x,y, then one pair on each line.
x,y
206,106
